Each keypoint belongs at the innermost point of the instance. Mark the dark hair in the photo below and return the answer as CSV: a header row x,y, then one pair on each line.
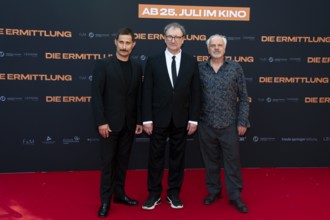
x,y
125,31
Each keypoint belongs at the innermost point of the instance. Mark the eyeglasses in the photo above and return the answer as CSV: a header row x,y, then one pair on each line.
x,y
176,38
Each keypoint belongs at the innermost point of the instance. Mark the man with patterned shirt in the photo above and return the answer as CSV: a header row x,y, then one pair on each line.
x,y
223,118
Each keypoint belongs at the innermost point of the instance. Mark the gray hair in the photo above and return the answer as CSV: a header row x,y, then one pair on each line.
x,y
175,25
214,36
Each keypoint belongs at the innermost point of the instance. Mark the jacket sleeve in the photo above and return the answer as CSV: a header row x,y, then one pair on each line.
x,y
139,97
195,101
243,100
147,89
98,87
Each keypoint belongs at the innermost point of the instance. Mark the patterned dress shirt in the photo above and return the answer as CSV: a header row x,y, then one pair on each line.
x,y
224,97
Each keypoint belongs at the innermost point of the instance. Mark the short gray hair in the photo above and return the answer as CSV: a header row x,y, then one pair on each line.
x,y
224,38
175,25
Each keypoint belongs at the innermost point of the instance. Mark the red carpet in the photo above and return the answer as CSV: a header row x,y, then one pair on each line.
x,y
270,194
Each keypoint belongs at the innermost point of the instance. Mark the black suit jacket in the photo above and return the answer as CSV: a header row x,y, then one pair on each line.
x,y
161,102
114,102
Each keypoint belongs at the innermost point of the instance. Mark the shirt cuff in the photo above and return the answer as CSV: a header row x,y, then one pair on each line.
x,y
193,122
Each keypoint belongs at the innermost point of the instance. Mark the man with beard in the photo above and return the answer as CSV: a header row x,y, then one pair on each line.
x,y
116,96
224,117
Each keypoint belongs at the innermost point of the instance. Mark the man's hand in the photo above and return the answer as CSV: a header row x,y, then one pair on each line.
x,y
148,128
191,128
241,130
138,129
104,130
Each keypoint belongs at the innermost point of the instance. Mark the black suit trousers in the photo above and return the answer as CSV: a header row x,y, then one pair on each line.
x,y
176,137
115,153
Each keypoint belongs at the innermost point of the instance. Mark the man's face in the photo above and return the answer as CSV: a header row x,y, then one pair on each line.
x,y
124,45
174,39
217,48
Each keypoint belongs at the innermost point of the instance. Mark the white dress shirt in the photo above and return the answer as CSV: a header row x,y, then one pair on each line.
x,y
168,57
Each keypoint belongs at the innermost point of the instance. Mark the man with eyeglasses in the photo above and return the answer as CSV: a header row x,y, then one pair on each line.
x,y
224,117
170,112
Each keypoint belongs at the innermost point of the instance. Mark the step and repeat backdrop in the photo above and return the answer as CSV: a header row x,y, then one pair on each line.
x,y
48,50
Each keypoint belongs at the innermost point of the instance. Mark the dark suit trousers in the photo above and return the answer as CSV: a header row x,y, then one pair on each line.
x,y
177,143
115,153
217,144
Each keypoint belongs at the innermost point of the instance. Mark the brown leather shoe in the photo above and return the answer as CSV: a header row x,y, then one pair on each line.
x,y
239,205
211,198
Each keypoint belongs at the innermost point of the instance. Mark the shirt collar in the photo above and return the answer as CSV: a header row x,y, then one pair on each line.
x,y
169,54
226,61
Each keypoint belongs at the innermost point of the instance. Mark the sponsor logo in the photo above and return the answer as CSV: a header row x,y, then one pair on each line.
x,y
292,99
14,99
15,54
298,139
263,139
29,54
19,99
92,35
271,100
242,139
28,141
48,140
31,98
248,38
280,59
92,140
73,140
86,77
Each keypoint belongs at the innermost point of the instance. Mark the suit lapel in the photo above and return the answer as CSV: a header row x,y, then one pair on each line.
x,y
163,67
182,68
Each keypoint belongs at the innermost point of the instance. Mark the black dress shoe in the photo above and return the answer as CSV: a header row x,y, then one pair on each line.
x,y
211,198
104,209
125,200
239,205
